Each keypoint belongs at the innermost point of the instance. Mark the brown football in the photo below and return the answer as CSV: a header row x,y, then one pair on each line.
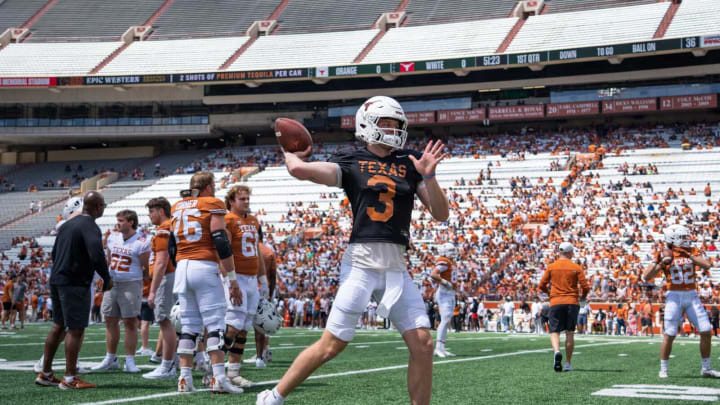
x,y
292,135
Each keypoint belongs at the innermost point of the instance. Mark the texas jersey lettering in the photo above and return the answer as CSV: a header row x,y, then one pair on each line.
x,y
160,243
191,226
680,274
447,271
125,256
381,191
244,231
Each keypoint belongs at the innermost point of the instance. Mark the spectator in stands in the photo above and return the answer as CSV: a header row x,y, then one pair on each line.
x,y
77,255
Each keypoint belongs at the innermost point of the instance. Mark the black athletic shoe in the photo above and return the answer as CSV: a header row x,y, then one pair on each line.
x,y
558,362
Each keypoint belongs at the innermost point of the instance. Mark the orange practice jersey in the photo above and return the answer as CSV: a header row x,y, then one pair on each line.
x,y
568,282
446,268
680,274
7,292
160,243
191,226
244,233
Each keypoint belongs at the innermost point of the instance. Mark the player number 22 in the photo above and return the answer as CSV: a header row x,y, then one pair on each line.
x,y
384,197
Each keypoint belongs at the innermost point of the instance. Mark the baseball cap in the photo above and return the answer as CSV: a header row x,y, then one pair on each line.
x,y
566,247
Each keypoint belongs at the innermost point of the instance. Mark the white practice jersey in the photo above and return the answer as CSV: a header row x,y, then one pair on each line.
x,y
125,256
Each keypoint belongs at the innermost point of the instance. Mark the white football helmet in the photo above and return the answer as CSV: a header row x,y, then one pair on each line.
x,y
73,205
678,235
267,320
448,250
368,115
175,318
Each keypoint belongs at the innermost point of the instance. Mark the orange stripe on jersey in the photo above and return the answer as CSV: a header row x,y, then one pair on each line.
x,y
449,273
160,243
191,226
244,233
680,275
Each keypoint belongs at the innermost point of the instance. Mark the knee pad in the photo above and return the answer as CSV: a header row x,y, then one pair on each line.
x,y
186,345
215,341
235,348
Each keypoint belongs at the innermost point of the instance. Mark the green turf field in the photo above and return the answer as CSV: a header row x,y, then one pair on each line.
x,y
489,368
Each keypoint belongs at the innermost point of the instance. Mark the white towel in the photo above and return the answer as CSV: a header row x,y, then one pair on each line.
x,y
180,285
393,290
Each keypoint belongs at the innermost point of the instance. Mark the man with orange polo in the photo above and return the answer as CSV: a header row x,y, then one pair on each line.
x,y
568,283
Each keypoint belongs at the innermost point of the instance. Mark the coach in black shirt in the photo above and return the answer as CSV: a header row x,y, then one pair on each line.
x,y
77,255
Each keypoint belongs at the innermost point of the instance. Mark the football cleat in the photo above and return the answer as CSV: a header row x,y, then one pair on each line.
x,y
155,359
267,355
448,354
75,384
160,373
663,374
185,384
567,367
39,364
221,385
145,352
710,372
241,381
47,381
260,363
131,368
267,398
557,364
440,353
107,365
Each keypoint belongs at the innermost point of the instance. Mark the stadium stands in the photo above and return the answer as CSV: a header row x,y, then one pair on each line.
x,y
441,41
437,11
14,205
176,56
323,49
564,6
211,18
14,13
589,28
695,17
335,15
100,19
48,59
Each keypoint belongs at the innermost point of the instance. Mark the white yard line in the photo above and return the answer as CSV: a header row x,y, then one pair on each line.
x,y
355,372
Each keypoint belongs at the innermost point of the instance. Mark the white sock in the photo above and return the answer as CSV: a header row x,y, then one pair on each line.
x,y
47,374
218,370
664,364
69,378
130,361
166,364
706,363
440,345
279,399
110,356
186,372
233,370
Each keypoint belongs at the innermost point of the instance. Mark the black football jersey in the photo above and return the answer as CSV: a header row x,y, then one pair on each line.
x,y
381,193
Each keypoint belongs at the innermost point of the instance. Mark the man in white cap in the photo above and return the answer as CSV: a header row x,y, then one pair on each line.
x,y
568,283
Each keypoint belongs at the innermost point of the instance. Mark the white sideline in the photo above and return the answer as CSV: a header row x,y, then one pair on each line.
x,y
354,372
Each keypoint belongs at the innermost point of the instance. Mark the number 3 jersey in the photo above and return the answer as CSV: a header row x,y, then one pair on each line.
x,y
381,191
191,226
244,231
125,256
680,274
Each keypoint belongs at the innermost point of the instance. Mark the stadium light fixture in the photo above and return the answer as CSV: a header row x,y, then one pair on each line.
x,y
487,90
